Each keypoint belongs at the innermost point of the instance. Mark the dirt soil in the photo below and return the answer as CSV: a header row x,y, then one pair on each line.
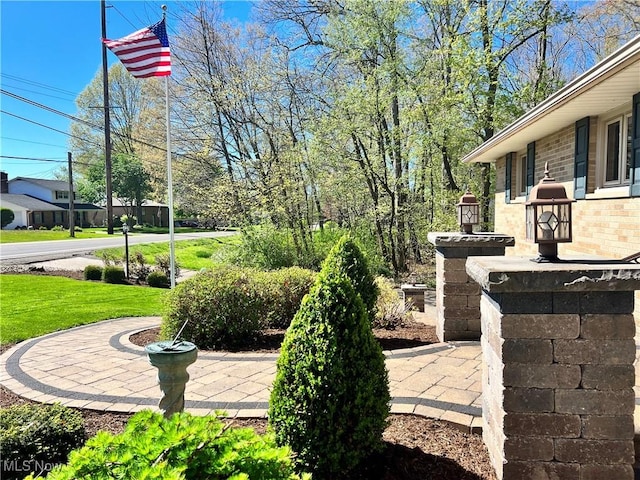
x,y
416,448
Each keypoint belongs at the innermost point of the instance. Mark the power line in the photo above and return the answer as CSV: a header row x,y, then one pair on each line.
x,y
34,143
39,85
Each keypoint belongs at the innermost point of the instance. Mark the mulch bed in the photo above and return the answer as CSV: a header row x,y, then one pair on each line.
x,y
416,448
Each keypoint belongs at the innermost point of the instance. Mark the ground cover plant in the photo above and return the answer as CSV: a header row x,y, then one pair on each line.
x,y
182,447
64,303
330,398
36,437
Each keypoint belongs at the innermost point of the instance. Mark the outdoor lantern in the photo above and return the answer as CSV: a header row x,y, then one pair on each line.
x,y
548,217
468,212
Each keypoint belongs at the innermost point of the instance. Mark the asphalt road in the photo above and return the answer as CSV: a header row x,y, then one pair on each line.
x,y
29,252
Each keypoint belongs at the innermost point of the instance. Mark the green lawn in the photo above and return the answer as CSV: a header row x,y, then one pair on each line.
x,y
190,254
15,236
33,305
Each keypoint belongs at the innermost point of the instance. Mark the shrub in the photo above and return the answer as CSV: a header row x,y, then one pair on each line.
x,y
182,447
330,397
36,437
163,263
283,291
157,279
391,311
267,247
6,216
229,306
93,272
223,307
57,228
138,266
346,257
112,274
43,227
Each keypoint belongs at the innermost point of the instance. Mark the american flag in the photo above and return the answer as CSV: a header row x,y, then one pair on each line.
x,y
144,53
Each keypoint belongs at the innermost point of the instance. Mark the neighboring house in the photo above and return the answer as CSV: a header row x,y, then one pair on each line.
x,y
589,132
151,213
43,203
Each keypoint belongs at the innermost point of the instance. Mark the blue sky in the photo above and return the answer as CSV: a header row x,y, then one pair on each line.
x,y
50,51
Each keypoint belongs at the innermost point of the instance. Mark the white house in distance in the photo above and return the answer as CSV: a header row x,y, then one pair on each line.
x,y
589,133
43,203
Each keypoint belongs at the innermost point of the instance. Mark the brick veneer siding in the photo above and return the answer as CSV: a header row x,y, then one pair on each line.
x,y
605,227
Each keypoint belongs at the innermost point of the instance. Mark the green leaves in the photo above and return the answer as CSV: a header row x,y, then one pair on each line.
x,y
183,447
330,396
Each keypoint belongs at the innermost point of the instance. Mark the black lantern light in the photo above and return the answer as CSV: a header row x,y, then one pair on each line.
x,y
468,212
548,217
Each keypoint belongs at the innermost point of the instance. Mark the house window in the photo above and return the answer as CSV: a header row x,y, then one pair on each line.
x,y
37,218
522,175
617,150
60,195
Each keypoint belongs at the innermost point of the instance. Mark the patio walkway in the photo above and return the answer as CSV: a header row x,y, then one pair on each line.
x,y
95,366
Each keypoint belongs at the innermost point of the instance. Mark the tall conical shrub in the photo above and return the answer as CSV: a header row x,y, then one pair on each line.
x,y
347,257
330,398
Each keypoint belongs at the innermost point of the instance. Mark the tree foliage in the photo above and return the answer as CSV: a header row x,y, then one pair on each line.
x,y
355,111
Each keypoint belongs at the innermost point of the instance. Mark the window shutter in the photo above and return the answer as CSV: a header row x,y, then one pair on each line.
x,y
634,190
581,159
531,166
507,178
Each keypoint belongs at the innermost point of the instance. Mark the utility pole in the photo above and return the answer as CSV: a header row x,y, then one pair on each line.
x,y
107,122
72,212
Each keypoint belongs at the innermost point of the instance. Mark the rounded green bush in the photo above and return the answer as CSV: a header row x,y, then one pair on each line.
x,y
223,308
92,272
6,216
182,447
112,274
36,437
347,257
330,398
283,291
157,279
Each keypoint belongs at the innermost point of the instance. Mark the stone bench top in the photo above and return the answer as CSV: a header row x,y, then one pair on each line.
x,y
498,274
480,239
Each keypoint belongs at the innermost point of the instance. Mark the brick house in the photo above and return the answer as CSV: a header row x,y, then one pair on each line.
x,y
589,132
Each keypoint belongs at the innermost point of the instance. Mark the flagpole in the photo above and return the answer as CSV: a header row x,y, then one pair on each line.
x,y
172,252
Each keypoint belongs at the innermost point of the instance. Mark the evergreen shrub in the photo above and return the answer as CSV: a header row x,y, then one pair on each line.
x,y
330,398
92,272
36,437
346,256
113,274
158,279
6,216
182,447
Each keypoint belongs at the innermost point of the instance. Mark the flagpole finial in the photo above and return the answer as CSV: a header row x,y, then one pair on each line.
x,y
164,10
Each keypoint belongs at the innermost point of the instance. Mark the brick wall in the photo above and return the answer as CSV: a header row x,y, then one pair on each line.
x,y
605,227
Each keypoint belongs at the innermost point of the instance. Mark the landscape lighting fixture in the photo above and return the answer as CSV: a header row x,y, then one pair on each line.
x,y
468,212
548,217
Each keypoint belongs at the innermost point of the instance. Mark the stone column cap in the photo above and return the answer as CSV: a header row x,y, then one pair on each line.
x,y
480,239
498,274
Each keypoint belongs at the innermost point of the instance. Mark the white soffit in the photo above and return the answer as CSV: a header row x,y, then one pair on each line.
x,y
608,85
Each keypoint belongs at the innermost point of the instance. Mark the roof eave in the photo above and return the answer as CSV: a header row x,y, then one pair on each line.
x,y
623,58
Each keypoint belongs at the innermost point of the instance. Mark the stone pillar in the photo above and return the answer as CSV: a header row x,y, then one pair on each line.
x,y
458,297
414,294
558,351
